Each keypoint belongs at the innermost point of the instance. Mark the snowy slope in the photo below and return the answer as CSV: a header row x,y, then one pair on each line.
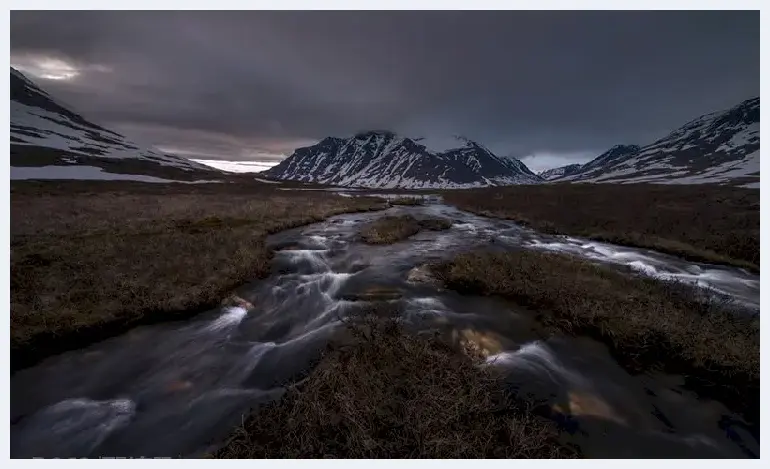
x,y
87,173
385,160
720,147
238,166
43,132
561,171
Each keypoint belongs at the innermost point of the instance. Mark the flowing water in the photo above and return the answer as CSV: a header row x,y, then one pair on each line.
x,y
176,389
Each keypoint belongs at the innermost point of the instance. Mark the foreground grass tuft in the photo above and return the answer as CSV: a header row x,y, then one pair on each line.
x,y
389,394
388,230
89,264
647,324
704,223
435,224
407,201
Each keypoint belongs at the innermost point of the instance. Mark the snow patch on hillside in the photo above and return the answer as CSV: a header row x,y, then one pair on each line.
x,y
386,160
85,173
238,166
34,126
719,147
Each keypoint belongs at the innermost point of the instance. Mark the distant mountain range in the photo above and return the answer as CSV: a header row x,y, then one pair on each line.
x,y
561,171
720,147
51,141
382,159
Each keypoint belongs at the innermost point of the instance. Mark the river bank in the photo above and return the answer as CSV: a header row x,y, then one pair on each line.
x,y
89,261
703,223
179,389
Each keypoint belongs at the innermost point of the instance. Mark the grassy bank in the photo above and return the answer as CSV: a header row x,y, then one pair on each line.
x,y
702,223
389,394
647,324
389,230
92,260
414,201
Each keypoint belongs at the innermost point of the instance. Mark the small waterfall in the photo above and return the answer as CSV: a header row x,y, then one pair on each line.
x,y
233,315
73,427
538,358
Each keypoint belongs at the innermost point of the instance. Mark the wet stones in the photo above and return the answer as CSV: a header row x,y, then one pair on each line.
x,y
235,300
422,275
588,405
473,350
478,345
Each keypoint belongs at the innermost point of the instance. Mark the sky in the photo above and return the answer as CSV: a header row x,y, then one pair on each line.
x,y
550,88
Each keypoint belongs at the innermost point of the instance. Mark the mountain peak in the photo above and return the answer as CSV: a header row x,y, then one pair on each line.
x,y
44,130
561,171
454,162
623,148
718,147
363,135
444,144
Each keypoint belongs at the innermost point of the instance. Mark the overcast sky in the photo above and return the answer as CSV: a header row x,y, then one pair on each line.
x,y
549,87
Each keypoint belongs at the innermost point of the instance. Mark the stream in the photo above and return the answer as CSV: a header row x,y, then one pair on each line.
x,y
178,388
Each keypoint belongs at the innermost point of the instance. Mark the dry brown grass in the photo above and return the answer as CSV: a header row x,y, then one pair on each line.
x,y
703,222
646,323
89,261
389,394
407,201
435,224
389,230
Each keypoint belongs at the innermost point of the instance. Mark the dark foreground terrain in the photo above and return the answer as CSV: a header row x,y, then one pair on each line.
x,y
648,325
388,393
388,230
705,223
92,259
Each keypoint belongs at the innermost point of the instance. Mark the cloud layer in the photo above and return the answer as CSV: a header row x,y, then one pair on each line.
x,y
255,85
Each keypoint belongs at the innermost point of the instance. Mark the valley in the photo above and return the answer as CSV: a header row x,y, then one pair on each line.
x,y
379,294
704,223
243,325
50,141
717,148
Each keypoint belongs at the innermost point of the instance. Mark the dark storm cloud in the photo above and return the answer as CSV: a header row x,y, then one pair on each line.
x,y
234,84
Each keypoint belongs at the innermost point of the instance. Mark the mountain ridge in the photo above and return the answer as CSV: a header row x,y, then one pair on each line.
x,y
560,171
55,139
384,159
717,147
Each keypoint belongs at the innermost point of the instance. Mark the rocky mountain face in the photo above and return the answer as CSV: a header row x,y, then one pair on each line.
x,y
50,139
720,147
382,159
559,172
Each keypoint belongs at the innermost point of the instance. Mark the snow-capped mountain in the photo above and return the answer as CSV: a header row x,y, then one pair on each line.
x,y
610,157
382,159
48,138
720,147
561,171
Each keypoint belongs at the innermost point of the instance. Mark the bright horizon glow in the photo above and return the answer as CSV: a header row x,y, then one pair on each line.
x,y
538,162
238,166
47,68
